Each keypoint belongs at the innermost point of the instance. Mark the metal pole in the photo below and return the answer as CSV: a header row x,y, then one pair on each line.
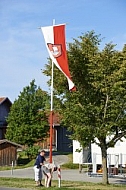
x,y
12,165
51,111
59,177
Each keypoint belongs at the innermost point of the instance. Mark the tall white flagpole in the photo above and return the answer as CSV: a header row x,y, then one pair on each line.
x,y
52,79
51,111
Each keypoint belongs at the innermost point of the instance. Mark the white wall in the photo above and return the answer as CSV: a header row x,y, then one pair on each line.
x,y
81,155
116,155
77,156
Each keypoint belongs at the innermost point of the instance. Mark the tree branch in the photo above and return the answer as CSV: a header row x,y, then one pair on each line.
x,y
105,109
116,138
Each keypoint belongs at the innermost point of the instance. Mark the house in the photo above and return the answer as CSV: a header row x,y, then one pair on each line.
x,y
8,152
62,141
116,156
60,137
5,105
8,149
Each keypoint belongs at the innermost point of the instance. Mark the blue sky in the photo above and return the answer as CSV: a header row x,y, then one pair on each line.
x,y
22,48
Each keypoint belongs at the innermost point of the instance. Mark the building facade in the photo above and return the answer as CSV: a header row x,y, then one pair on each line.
x,y
8,152
5,105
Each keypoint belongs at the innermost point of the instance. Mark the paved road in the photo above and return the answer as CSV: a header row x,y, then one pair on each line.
x,y
71,175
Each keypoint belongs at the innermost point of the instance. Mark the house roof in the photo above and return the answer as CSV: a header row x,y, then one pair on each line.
x,y
3,99
56,119
13,143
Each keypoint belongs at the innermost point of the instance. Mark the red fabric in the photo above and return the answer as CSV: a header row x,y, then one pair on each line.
x,y
59,38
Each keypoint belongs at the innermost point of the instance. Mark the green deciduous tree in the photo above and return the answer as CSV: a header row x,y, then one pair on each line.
x,y
27,120
96,111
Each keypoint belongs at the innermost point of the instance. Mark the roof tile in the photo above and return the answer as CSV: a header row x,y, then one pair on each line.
x,y
2,99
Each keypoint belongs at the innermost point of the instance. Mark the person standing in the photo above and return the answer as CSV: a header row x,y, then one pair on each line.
x,y
37,167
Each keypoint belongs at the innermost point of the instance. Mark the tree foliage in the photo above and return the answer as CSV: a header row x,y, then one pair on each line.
x,y
96,111
32,151
27,120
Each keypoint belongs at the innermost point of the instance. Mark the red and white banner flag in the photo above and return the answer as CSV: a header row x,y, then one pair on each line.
x,y
56,45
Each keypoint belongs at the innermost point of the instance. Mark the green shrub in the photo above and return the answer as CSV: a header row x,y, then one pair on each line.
x,y
32,152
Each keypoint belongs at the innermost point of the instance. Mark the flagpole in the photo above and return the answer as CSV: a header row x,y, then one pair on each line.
x,y
51,111
50,37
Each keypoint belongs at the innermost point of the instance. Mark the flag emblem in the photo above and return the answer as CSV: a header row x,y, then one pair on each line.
x,y
54,49
56,45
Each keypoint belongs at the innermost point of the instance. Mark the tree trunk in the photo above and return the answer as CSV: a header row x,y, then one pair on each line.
x,y
104,164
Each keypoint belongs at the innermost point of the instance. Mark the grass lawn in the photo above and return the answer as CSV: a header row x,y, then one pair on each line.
x,y
22,162
20,166
30,184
